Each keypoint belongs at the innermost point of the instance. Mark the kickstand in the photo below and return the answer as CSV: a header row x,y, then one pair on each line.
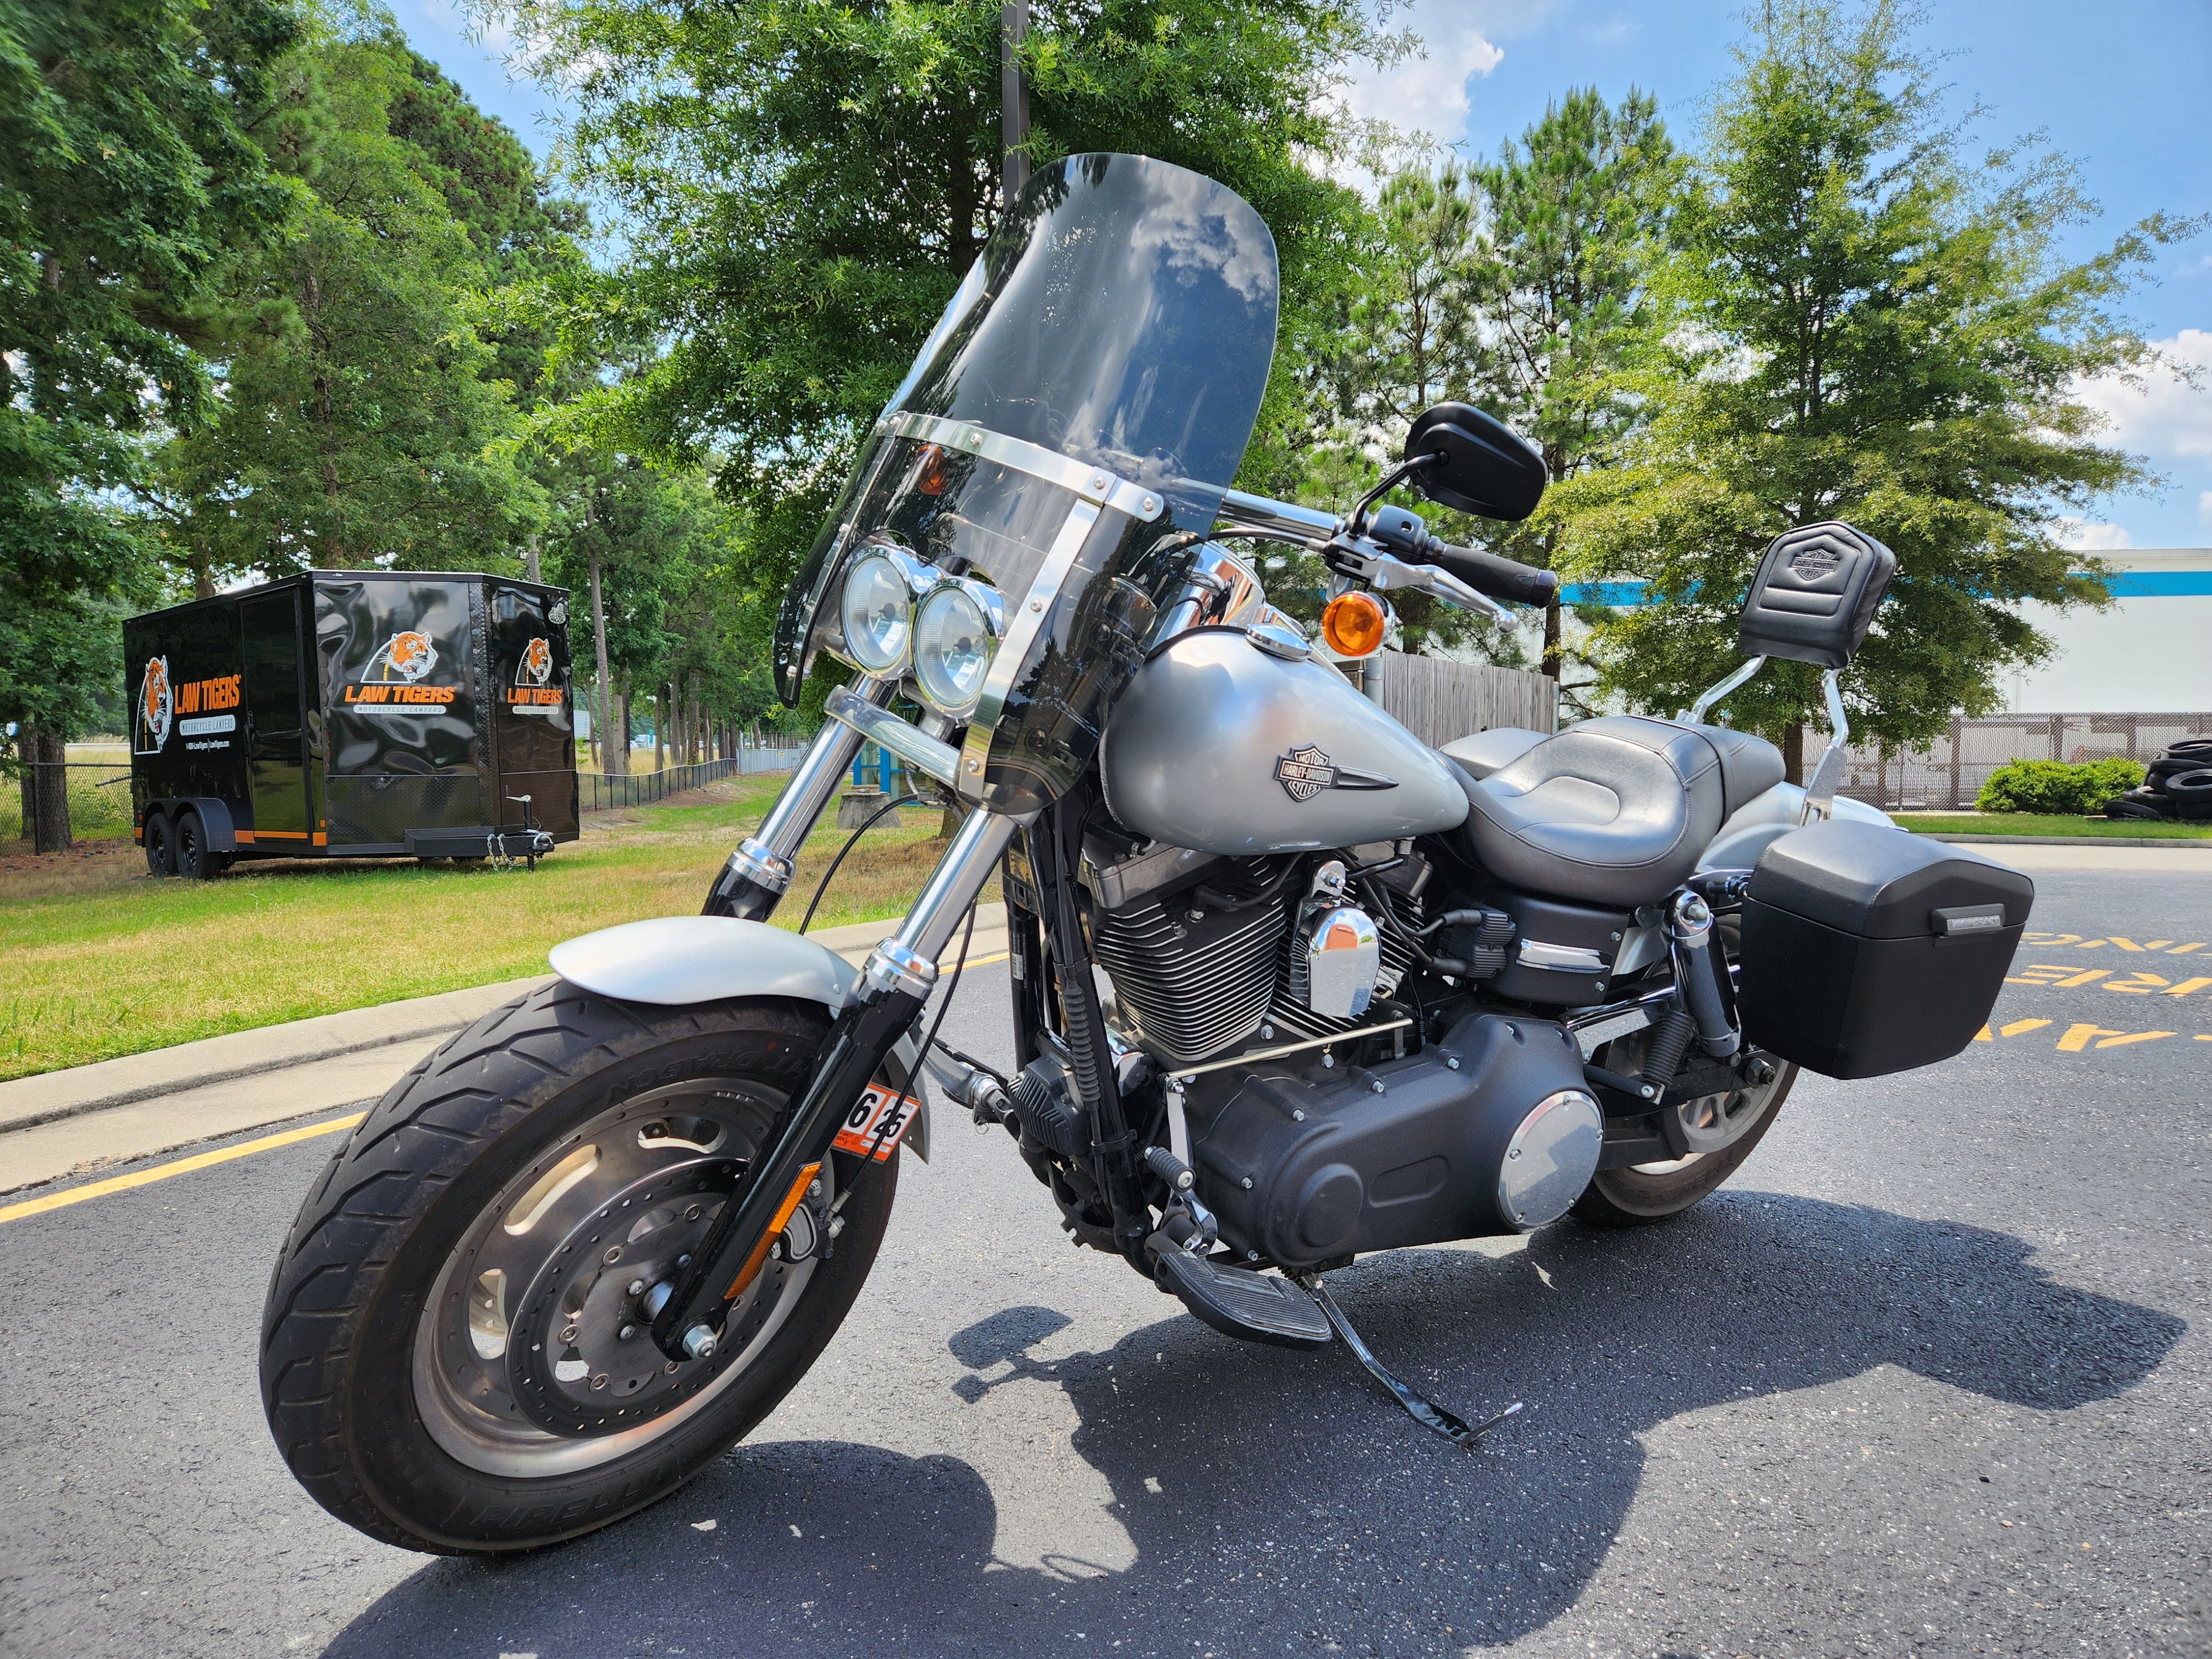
x,y
1424,1412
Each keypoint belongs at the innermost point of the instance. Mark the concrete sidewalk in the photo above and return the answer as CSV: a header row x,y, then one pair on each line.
x,y
63,1122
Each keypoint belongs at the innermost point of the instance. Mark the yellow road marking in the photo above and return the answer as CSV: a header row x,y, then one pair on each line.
x,y
2020,1025
182,1166
985,962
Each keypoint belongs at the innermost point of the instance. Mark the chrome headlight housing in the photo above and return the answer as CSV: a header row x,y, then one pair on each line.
x,y
875,607
956,633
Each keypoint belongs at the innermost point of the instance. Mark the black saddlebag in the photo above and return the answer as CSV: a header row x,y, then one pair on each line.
x,y
1867,949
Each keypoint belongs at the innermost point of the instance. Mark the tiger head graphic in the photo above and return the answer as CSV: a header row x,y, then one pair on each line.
x,y
157,703
536,667
405,656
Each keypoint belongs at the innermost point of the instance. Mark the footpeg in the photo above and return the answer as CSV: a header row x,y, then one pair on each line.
x,y
1424,1410
1239,1303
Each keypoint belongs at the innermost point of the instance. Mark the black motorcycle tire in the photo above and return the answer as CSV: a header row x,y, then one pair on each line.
x,y
340,1326
1633,1198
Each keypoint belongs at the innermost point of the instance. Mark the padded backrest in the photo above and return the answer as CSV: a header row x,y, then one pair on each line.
x,y
1815,595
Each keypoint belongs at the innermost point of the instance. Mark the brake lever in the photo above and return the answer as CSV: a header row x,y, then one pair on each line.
x,y
1350,557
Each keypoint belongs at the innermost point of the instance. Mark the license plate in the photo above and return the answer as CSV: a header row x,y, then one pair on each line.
x,y
877,1123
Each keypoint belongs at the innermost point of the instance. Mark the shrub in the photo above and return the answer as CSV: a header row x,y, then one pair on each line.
x,y
2057,785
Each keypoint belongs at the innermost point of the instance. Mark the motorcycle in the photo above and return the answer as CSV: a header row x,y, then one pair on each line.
x,y
1289,986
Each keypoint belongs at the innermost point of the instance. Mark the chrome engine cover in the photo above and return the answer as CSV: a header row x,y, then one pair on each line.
x,y
1219,746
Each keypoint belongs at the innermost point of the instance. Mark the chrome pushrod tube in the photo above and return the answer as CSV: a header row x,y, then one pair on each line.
x,y
759,872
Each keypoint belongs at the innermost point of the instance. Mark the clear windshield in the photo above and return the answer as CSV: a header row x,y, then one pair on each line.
x,y
1085,399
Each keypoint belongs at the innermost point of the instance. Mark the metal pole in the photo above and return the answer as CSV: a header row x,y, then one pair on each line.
x,y
1014,97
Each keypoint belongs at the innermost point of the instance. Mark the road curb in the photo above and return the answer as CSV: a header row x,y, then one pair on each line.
x,y
131,1079
2160,841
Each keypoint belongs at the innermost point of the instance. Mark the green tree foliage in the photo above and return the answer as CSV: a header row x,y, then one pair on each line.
x,y
808,182
128,182
368,416
1864,323
1568,214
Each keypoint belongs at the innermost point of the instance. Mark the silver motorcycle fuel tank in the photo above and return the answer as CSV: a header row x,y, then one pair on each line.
x,y
1220,746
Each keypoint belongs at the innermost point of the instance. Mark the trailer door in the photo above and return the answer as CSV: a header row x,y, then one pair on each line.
x,y
276,734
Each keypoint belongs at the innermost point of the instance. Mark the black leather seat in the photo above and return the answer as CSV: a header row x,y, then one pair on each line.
x,y
1614,811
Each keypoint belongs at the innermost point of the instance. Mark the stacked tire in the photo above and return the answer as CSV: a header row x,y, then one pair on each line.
x,y
2180,786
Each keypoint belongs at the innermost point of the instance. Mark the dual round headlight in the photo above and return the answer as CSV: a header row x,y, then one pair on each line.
x,y
894,609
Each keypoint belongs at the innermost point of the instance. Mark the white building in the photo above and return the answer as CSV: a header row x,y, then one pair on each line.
x,y
2149,652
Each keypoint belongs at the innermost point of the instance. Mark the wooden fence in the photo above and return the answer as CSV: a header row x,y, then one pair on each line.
x,y
1438,699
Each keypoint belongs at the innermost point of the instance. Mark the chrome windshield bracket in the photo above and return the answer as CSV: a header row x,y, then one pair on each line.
x,y
1022,631
926,754
1695,714
1093,483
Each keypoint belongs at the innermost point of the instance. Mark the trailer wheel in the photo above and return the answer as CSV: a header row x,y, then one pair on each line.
x,y
194,861
161,845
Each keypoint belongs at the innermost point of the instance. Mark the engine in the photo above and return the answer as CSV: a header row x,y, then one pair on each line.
x,y
1305,1158
1490,1131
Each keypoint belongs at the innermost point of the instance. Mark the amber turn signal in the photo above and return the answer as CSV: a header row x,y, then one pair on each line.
x,y
1353,623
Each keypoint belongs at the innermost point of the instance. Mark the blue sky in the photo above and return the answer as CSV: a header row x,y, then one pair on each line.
x,y
2121,88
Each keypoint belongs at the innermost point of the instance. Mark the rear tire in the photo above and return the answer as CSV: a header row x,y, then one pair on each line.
x,y
161,845
384,1400
194,861
1640,1195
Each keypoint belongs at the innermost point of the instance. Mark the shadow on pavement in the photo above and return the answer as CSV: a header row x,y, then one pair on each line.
x,y
1273,1498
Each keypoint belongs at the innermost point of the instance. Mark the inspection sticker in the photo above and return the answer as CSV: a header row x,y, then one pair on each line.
x,y
877,1123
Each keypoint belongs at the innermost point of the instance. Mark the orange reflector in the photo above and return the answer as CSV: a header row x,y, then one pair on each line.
x,y
792,1200
1353,623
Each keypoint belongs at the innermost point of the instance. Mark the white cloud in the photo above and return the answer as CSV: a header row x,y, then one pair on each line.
x,y
2094,537
2165,418
1427,94
2204,506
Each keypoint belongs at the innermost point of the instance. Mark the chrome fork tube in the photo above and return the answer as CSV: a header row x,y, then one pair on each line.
x,y
907,960
758,874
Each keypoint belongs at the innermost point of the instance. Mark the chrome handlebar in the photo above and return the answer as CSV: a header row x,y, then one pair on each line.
x,y
1264,519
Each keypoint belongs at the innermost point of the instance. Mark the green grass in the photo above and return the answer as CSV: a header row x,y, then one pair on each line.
x,y
2050,823
104,960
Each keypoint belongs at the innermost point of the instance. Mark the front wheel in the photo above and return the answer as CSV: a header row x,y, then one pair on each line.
x,y
454,1354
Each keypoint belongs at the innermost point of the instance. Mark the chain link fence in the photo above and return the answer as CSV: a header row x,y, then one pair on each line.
x,y
601,792
1950,772
99,794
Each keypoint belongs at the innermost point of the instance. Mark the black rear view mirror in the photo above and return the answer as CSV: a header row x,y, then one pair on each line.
x,y
1487,468
1815,595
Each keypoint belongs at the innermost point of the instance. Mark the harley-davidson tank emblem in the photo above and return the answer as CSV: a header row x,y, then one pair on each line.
x,y
1305,772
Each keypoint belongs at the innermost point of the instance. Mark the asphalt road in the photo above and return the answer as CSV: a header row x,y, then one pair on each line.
x,y
1929,1376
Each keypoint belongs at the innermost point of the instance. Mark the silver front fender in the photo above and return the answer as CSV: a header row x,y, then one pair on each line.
x,y
675,960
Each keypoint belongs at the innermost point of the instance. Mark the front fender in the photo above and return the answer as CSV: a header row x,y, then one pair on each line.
x,y
675,961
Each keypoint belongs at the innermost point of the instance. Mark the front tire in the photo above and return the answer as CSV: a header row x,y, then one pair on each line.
x,y
577,1144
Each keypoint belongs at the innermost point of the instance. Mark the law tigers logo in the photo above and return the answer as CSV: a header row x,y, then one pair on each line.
x,y
536,667
405,658
157,707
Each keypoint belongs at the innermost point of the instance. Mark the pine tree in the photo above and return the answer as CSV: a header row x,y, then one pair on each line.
x,y
1861,323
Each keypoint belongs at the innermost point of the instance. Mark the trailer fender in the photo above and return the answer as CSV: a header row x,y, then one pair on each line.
x,y
675,961
215,818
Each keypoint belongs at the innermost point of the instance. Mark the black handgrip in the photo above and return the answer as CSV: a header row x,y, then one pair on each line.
x,y
1502,579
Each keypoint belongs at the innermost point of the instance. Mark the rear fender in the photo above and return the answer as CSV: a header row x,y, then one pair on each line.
x,y
1766,818
675,960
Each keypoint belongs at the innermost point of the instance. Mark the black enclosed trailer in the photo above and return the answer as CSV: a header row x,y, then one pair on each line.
x,y
344,714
